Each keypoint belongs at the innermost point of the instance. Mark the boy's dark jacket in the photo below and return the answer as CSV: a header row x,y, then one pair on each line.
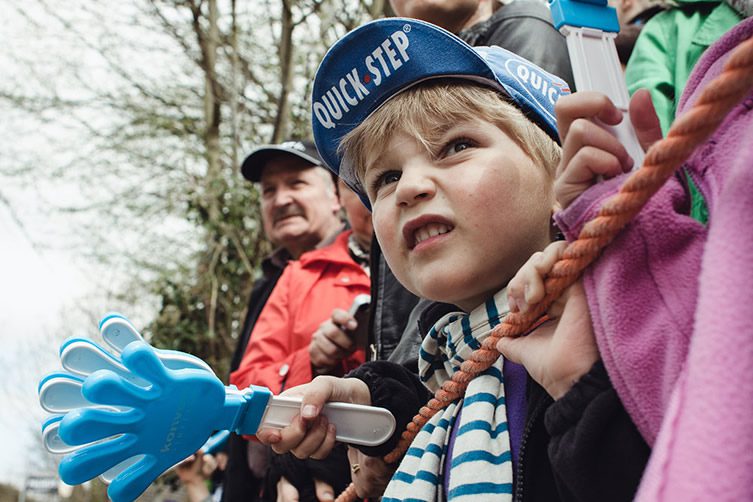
x,y
580,448
390,312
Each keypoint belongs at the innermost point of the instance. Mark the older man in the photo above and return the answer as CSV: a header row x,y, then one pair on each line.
x,y
300,211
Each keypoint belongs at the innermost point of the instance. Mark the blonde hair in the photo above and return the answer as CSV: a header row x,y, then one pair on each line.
x,y
428,110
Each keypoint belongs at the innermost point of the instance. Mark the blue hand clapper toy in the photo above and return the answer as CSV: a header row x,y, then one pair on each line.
x,y
130,415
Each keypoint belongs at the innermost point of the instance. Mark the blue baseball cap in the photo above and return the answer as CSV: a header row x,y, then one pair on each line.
x,y
378,60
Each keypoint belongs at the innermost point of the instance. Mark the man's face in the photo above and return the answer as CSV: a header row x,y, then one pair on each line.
x,y
299,205
449,14
358,216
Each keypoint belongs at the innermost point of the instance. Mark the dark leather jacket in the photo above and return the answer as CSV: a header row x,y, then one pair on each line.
x,y
391,307
525,28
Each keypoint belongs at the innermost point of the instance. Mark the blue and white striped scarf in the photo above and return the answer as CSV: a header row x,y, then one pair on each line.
x,y
481,463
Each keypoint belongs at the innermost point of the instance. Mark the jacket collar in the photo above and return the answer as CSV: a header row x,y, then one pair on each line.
x,y
336,252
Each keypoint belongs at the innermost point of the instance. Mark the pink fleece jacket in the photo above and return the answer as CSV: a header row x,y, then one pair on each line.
x,y
672,308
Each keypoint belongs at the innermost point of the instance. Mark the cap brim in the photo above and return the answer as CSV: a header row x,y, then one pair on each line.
x,y
254,163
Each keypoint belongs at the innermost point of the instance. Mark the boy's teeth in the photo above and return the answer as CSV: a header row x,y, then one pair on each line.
x,y
430,230
421,235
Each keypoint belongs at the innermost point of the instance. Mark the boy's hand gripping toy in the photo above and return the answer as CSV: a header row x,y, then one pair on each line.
x,y
590,27
133,415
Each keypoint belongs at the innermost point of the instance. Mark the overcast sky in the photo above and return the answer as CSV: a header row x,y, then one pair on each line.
x,y
47,286
35,289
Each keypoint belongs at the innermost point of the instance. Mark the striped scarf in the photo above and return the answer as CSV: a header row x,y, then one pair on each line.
x,y
481,463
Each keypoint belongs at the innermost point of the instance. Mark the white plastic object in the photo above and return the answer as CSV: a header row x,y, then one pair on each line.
x,y
60,395
54,444
113,472
52,441
596,67
355,423
83,357
118,332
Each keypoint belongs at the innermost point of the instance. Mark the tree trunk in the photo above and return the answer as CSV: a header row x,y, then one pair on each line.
x,y
214,182
286,73
234,94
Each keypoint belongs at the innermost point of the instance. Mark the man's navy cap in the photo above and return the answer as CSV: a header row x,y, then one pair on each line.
x,y
378,60
254,164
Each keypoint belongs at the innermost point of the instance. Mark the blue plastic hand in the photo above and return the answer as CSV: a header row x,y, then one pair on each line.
x,y
60,392
160,424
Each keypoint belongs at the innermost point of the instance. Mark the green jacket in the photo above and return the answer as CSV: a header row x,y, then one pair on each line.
x,y
669,46
664,55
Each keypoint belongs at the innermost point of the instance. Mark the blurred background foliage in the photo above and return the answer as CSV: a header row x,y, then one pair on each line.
x,y
149,107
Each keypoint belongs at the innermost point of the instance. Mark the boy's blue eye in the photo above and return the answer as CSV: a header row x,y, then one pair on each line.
x,y
383,179
390,177
458,145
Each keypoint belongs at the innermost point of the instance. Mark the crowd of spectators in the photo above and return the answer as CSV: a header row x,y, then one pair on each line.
x,y
448,195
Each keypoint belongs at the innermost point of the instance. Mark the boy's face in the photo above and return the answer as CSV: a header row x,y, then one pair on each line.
x,y
456,223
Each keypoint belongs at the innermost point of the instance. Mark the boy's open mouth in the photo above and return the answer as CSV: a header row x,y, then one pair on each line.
x,y
424,228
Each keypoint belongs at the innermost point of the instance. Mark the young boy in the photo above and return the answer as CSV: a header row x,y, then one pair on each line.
x,y
454,149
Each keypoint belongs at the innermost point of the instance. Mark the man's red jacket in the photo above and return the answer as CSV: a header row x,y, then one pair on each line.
x,y
308,291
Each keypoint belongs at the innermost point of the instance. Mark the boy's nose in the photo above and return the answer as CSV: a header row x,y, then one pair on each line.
x,y
414,186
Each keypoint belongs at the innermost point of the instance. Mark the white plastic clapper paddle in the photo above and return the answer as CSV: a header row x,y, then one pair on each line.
x,y
590,27
117,332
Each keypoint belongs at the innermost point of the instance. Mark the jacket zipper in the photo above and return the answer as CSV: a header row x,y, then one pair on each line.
x,y
526,433
692,178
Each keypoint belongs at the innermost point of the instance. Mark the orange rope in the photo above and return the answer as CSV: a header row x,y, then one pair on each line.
x,y
662,159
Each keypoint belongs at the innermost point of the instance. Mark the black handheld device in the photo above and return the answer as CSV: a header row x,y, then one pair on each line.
x,y
359,309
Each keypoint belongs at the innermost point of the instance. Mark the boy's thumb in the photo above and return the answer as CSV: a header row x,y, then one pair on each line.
x,y
510,348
